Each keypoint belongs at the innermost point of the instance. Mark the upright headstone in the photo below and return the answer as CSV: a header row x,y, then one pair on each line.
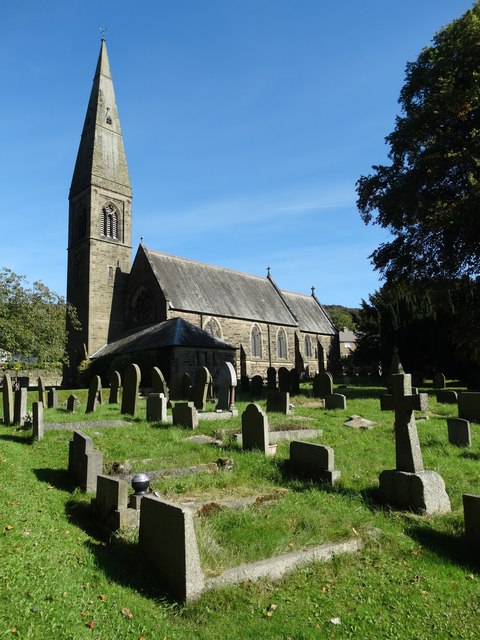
x,y
255,429
20,408
37,422
175,387
446,396
315,461
72,403
322,385
409,486
84,463
256,386
93,391
7,392
159,383
185,387
110,505
200,389
226,382
294,382
52,398
271,378
167,542
131,384
156,407
439,381
42,394
336,401
471,514
278,402
245,384
459,432
395,368
284,379
184,414
115,384
469,405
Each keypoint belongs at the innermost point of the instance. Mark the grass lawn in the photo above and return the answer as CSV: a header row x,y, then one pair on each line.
x,y
64,577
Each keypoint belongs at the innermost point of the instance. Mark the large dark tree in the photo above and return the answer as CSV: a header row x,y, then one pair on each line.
x,y
428,197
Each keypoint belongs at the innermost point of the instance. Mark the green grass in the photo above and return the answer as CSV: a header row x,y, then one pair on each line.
x,y
415,578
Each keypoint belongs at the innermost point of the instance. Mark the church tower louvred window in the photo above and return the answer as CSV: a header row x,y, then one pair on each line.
x,y
109,222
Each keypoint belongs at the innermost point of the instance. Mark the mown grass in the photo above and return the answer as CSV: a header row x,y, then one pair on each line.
x,y
65,577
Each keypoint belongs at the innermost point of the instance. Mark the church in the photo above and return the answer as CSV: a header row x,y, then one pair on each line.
x,y
184,313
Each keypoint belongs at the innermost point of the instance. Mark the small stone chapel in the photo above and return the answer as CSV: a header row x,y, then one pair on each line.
x,y
245,319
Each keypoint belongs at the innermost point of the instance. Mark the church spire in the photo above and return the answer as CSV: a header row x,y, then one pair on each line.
x,y
101,159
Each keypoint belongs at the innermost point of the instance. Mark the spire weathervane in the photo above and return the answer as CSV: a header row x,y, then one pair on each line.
x,y
103,32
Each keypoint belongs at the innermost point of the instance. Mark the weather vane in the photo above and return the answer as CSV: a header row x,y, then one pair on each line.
x,y
103,32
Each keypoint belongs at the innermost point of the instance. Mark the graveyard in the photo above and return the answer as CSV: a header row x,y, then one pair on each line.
x,y
392,573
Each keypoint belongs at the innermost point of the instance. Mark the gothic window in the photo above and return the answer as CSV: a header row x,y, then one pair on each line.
x,y
256,341
142,307
308,347
108,222
213,328
281,344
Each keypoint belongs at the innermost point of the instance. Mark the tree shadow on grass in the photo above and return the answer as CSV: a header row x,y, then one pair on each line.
x,y
28,440
470,456
118,557
454,548
58,478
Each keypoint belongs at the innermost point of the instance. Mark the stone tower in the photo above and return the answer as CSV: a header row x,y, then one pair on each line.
x,y
99,230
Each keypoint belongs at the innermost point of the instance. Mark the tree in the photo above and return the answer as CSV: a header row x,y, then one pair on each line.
x,y
429,196
342,317
32,319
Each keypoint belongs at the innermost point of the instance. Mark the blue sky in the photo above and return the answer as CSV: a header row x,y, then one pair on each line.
x,y
246,124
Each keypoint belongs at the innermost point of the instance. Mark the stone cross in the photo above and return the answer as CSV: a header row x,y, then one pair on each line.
x,y
407,446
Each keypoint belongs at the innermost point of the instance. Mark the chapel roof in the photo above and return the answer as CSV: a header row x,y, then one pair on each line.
x,y
175,332
310,315
203,288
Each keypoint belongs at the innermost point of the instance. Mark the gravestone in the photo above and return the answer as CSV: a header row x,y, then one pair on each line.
x,y
20,406
395,368
256,387
175,387
185,387
93,391
471,514
469,405
278,402
7,392
272,378
284,379
115,384
409,486
84,463
294,379
202,380
184,414
52,398
131,384
245,384
110,505
37,421
167,543
459,432
336,401
156,407
322,384
159,383
72,403
315,461
42,394
446,396
226,381
255,429
439,381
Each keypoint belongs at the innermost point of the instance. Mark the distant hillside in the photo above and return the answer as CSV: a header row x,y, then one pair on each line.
x,y
342,316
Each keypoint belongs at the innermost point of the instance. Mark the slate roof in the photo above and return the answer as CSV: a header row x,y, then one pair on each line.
x,y
175,332
202,288
310,314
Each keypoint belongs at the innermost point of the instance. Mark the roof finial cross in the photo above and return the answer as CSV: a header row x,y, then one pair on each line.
x,y
313,291
103,32
268,272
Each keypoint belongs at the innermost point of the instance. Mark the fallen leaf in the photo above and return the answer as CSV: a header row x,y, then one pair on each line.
x,y
14,629
91,624
291,544
269,614
127,613
8,527
102,596
335,621
325,589
272,607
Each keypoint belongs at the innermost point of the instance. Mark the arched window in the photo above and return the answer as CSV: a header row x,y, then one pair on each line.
x,y
308,347
256,341
108,222
142,307
281,344
212,326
